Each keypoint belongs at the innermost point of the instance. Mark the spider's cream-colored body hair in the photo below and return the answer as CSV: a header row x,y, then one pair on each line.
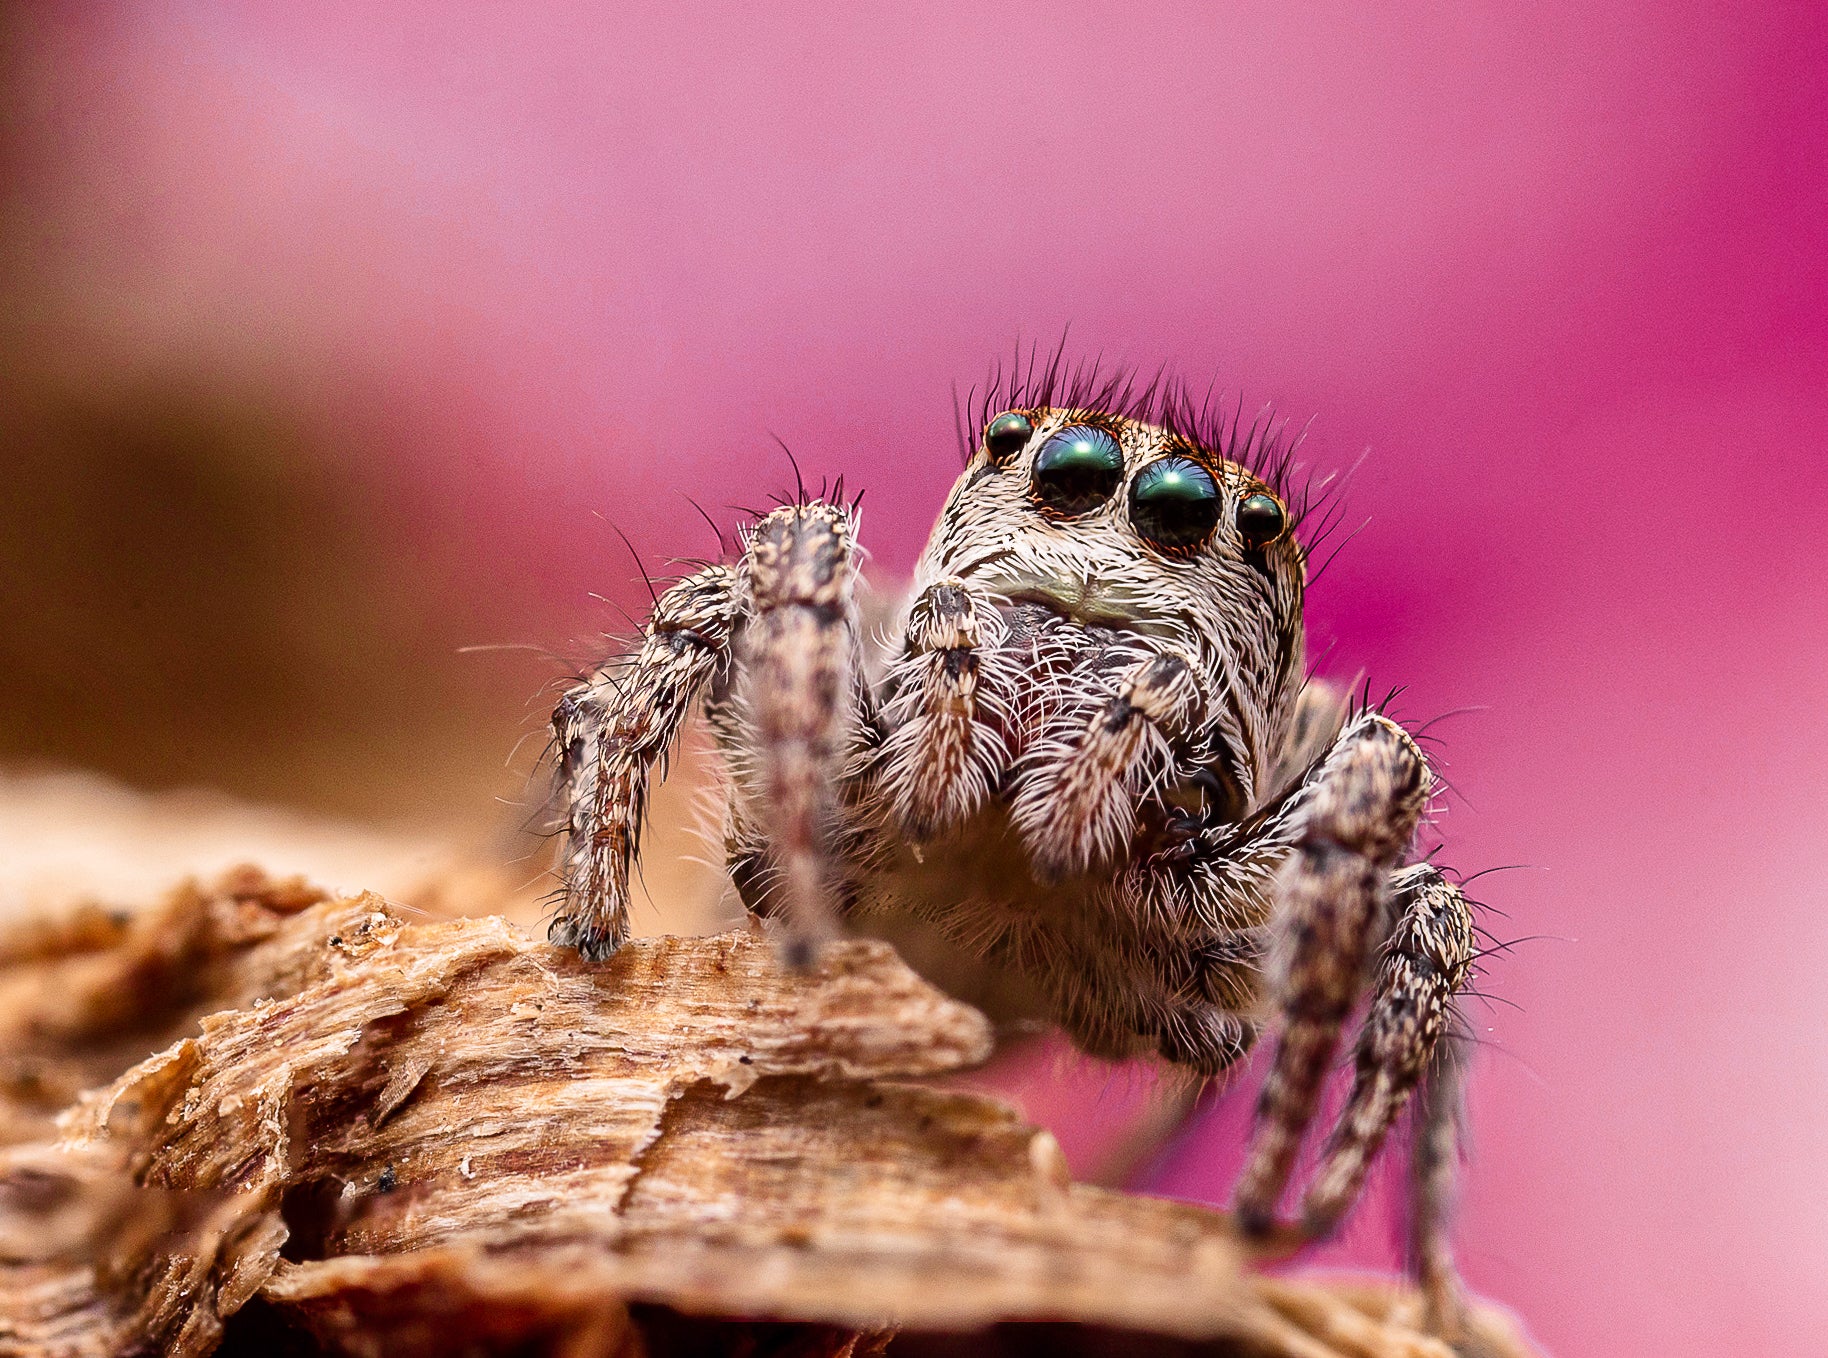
x,y
1085,776
1055,611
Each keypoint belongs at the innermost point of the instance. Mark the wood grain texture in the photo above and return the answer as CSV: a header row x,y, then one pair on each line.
x,y
317,1128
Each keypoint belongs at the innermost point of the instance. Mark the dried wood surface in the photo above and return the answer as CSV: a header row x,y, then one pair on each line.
x,y
359,1135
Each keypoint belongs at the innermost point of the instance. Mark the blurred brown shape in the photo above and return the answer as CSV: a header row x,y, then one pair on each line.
x,y
217,566
364,1136
189,585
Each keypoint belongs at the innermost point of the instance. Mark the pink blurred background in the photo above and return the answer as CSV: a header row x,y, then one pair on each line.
x,y
497,274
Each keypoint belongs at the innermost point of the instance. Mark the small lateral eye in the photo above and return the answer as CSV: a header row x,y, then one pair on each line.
x,y
1007,435
1261,520
1078,469
1174,503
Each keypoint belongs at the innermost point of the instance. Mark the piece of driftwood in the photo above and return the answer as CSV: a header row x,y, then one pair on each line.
x,y
358,1135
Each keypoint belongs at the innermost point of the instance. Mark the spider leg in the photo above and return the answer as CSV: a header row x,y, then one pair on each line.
x,y
610,730
1434,1157
1426,962
1357,817
1320,712
800,671
950,690
1076,806
1202,907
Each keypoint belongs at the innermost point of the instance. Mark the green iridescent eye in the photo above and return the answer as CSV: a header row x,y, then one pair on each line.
x,y
1007,435
1261,520
1174,503
1078,469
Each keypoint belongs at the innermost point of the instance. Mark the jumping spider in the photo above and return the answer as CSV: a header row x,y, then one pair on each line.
x,y
1086,775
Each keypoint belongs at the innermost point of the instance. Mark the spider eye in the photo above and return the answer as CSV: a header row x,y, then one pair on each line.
x,y
1077,469
1007,435
1261,520
1174,503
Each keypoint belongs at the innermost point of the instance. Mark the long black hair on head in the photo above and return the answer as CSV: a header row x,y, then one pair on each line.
x,y
1034,380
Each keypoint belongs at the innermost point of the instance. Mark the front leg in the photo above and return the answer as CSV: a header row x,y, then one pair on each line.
x,y
950,692
1359,815
800,681
609,731
1076,804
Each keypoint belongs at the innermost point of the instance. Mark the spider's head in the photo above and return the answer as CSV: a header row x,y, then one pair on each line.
x,y
1112,521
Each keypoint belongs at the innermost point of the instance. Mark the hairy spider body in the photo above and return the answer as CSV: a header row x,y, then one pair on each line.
x,y
1086,777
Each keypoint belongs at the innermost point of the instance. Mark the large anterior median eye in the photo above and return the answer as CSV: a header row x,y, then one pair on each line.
x,y
1174,503
1077,469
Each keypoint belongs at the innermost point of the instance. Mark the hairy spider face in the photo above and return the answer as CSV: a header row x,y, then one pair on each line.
x,y
1113,524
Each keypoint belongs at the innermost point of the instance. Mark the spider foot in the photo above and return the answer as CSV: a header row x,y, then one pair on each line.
x,y
593,945
1270,1237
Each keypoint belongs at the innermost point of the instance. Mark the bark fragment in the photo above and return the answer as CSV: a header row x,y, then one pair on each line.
x,y
381,1137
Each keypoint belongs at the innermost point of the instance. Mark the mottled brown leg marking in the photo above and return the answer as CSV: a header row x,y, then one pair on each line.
x,y
800,666
1425,964
610,731
1078,806
1361,812
1434,1160
944,755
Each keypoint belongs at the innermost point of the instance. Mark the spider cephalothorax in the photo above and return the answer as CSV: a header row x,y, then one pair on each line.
x,y
1086,777
1103,540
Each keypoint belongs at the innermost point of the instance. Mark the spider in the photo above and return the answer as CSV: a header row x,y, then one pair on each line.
x,y
1085,776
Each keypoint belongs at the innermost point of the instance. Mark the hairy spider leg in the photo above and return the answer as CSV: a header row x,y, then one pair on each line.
x,y
1076,805
948,696
799,676
610,730
1434,1161
1359,814
1426,962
